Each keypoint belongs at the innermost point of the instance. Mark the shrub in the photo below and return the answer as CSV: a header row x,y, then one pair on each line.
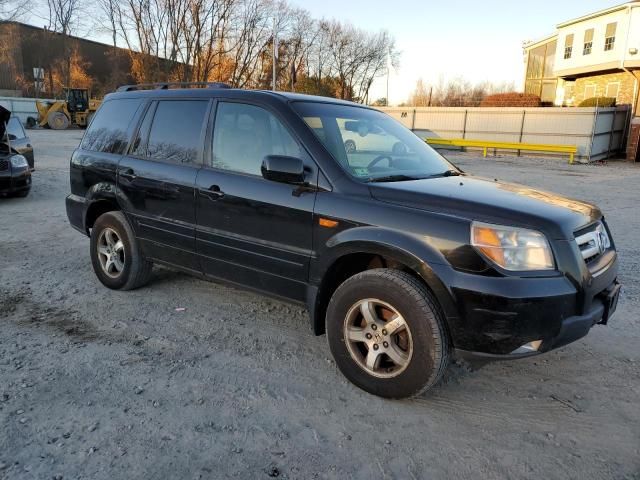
x,y
511,99
598,102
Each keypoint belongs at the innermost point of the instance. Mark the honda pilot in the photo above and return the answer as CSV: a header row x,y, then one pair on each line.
x,y
402,259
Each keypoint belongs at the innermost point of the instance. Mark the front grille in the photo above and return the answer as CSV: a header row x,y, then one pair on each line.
x,y
593,242
4,165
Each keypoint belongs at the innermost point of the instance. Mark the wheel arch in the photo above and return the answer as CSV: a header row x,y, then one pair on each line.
x,y
354,256
101,199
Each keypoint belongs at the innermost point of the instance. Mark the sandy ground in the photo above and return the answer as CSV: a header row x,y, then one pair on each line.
x,y
98,384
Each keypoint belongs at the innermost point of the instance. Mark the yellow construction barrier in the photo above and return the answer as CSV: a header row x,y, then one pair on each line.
x,y
487,144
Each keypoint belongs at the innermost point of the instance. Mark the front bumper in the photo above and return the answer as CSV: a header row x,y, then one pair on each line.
x,y
498,315
12,181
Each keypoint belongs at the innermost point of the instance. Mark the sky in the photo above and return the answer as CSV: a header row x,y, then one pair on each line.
x,y
475,39
478,40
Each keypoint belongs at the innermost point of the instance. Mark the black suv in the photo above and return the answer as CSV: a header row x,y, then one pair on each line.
x,y
401,258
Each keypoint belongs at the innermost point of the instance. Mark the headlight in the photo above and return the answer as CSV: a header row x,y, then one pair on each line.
x,y
18,161
512,248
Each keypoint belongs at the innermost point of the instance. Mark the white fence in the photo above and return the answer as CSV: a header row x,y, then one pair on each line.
x,y
22,107
597,132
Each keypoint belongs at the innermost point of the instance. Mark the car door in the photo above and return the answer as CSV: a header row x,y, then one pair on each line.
x,y
252,231
156,179
20,142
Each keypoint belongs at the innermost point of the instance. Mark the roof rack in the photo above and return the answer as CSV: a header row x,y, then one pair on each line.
x,y
167,85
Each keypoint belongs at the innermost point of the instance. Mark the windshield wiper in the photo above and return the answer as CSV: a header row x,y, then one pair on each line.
x,y
449,173
393,178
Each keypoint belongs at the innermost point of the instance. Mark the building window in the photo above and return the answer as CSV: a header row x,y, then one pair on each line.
x,y
541,80
612,90
589,91
588,42
569,93
568,46
610,37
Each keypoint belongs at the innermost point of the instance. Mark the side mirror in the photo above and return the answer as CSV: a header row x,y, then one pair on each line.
x,y
279,168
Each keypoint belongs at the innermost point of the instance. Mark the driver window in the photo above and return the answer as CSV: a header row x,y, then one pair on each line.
x,y
245,134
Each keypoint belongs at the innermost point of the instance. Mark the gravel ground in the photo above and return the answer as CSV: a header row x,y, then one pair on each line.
x,y
98,384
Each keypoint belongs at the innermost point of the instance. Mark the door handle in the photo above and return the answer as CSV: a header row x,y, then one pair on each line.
x,y
128,173
212,193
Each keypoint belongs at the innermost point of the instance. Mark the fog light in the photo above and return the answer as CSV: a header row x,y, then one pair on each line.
x,y
528,347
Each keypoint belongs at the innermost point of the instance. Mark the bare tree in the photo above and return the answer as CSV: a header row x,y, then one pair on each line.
x,y
233,41
64,17
421,96
13,9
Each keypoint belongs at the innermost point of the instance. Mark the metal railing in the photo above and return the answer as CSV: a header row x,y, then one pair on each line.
x,y
571,150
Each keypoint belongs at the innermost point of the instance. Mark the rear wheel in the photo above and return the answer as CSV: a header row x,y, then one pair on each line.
x,y
115,252
57,121
387,334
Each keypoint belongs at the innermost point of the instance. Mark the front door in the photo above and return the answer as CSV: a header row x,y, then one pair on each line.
x,y
156,180
250,230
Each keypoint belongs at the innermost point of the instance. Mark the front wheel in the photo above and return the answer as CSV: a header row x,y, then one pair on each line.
x,y
387,334
57,121
117,259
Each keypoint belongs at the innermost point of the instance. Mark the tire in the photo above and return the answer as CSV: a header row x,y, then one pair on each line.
x,y
350,146
422,343
89,118
126,268
57,121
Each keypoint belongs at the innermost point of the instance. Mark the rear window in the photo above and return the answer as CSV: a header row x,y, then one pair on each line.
x,y
109,129
176,131
15,130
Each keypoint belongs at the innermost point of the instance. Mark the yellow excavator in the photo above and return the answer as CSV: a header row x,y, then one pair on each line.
x,y
76,109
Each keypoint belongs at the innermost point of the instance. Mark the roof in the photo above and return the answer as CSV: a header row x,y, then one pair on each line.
x,y
599,13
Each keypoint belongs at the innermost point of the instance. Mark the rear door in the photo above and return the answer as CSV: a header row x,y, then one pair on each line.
x,y
156,180
250,230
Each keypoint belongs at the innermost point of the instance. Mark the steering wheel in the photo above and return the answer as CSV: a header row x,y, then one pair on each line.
x,y
378,159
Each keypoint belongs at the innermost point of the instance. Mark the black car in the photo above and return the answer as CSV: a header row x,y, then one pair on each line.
x,y
15,171
400,257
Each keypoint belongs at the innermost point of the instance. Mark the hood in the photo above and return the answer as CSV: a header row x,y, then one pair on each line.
x,y
491,201
4,119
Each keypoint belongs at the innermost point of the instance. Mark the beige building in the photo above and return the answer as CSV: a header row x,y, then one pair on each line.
x,y
596,55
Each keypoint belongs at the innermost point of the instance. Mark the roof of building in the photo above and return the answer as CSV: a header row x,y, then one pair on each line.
x,y
53,32
540,41
599,13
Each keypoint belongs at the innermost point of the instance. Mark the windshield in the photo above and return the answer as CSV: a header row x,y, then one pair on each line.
x,y
370,145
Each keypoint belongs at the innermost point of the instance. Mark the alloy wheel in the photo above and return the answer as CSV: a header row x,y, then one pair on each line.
x,y
378,338
111,253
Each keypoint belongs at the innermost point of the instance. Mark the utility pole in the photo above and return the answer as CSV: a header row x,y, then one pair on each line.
x,y
275,55
388,74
